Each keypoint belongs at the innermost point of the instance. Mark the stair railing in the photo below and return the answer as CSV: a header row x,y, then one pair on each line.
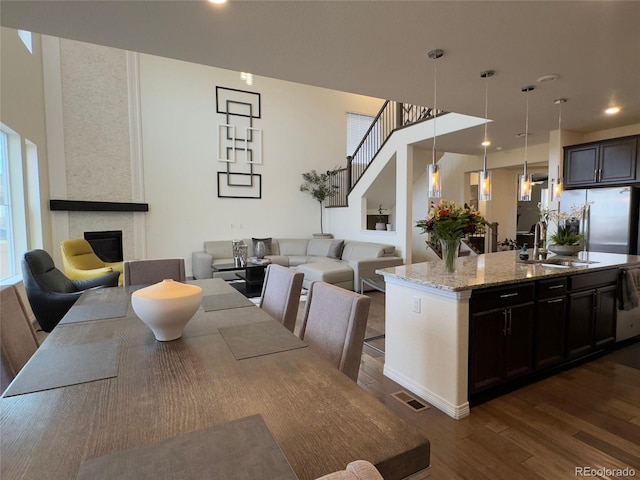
x,y
391,117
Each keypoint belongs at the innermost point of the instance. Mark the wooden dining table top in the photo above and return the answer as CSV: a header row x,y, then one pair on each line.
x,y
320,418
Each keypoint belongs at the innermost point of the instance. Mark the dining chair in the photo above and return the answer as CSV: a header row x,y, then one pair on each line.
x,y
146,272
356,470
334,324
81,262
281,294
50,293
17,338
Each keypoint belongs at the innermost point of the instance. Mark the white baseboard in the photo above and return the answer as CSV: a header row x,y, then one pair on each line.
x,y
455,411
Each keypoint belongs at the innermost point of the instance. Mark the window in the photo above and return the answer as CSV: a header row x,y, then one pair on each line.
x,y
7,265
357,126
27,39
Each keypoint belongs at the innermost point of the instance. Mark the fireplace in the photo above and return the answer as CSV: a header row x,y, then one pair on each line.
x,y
106,244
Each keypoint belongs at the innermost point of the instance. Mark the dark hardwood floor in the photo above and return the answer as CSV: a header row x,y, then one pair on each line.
x,y
587,417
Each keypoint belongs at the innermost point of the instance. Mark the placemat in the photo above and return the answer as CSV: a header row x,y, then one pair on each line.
x,y
242,449
63,366
96,311
261,338
225,301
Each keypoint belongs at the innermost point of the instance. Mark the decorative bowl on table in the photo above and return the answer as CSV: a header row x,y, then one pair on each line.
x,y
166,307
565,250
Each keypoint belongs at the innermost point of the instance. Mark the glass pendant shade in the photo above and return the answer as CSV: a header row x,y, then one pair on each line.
x,y
525,182
484,185
556,193
433,174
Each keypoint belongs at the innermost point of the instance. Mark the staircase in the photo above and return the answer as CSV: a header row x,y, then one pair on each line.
x,y
391,117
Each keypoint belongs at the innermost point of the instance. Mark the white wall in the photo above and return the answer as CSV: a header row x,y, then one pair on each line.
x,y
303,128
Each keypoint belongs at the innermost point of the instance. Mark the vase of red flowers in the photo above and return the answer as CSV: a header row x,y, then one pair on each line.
x,y
448,223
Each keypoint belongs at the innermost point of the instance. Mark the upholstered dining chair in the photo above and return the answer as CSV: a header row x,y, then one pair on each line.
x,y
81,262
17,338
334,324
356,470
50,293
146,272
281,294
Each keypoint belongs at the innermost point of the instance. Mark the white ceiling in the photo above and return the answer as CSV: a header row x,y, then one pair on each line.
x,y
379,48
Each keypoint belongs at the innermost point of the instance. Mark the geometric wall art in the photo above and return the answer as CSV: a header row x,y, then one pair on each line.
x,y
239,143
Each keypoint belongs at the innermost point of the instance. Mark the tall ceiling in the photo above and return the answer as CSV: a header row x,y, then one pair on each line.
x,y
379,49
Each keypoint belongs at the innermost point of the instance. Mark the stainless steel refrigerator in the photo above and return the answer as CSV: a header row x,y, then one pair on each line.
x,y
612,217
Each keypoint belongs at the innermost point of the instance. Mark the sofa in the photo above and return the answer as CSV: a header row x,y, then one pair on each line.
x,y
339,262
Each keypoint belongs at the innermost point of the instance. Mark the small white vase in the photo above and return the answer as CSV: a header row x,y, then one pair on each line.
x,y
166,307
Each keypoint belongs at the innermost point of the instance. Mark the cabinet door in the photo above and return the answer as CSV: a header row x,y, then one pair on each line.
x,y
519,341
581,166
550,328
605,321
486,352
618,162
580,323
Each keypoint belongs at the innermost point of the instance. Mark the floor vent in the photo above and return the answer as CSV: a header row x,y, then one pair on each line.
x,y
410,401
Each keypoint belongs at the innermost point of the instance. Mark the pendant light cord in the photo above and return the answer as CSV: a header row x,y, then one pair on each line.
x,y
486,116
435,106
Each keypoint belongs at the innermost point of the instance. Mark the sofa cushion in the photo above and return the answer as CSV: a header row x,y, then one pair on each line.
x,y
319,247
330,272
362,250
293,246
335,249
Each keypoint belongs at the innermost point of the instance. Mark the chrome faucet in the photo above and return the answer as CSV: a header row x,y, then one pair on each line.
x,y
539,230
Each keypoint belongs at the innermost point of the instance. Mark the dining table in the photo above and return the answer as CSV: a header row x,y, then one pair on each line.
x,y
236,396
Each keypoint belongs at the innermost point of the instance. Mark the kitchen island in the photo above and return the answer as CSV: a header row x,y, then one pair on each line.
x,y
436,322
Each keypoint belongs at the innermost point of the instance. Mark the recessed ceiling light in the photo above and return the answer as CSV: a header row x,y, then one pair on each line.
x,y
612,110
522,134
218,2
486,143
548,78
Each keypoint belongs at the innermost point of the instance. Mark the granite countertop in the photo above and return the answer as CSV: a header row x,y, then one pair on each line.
x,y
501,268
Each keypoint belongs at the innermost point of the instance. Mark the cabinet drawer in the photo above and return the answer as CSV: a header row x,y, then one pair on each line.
x,y
551,288
498,297
593,279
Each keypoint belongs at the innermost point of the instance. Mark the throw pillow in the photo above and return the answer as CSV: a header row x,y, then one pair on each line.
x,y
267,244
335,249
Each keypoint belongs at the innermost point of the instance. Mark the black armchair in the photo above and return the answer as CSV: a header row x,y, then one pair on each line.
x,y
50,293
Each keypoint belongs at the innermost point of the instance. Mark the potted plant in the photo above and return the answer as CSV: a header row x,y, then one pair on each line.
x,y
381,223
317,184
565,241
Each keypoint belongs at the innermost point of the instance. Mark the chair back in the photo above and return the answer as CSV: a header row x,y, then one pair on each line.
x,y
40,273
78,253
17,339
356,470
281,294
147,272
334,324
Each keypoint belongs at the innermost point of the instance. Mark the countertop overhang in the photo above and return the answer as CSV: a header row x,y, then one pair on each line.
x,y
501,268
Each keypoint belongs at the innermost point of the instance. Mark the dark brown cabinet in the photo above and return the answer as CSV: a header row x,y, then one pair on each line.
x,y
520,330
610,162
501,335
551,313
591,320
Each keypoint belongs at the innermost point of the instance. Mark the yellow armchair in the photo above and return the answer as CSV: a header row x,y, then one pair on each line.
x,y
80,261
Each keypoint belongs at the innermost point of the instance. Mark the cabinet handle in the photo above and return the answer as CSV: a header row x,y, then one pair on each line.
x,y
596,297
505,312
552,287
507,295
595,175
557,300
510,320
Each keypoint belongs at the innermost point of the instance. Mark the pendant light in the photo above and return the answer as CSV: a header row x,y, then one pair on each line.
x,y
484,184
525,180
433,171
556,188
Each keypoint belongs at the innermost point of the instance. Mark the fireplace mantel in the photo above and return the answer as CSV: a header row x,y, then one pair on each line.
x,y
88,206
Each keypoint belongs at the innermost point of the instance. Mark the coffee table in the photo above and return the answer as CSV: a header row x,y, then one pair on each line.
x,y
251,273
